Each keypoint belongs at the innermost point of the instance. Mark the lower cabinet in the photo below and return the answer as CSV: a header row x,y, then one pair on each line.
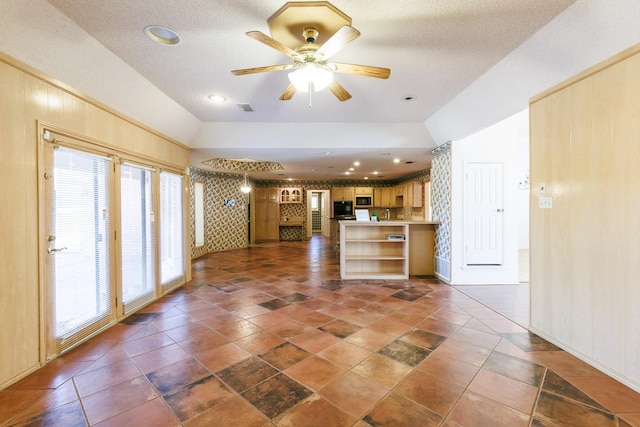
x,y
370,250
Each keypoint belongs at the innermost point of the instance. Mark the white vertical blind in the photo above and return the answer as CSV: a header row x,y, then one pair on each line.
x,y
137,241
172,267
79,276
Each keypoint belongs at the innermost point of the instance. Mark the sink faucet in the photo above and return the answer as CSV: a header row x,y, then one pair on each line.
x,y
387,215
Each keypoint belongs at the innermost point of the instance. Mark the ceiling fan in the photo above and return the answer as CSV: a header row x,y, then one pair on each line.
x,y
312,70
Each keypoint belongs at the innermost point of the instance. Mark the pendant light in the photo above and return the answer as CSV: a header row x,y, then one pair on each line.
x,y
245,187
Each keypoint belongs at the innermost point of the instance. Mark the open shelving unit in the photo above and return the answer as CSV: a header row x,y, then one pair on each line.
x,y
366,253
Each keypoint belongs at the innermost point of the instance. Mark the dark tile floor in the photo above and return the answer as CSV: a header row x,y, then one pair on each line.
x,y
270,336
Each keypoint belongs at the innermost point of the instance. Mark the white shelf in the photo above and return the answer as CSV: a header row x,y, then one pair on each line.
x,y
374,241
376,276
366,253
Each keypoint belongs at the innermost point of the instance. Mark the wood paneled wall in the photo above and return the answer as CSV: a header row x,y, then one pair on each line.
x,y
26,97
585,250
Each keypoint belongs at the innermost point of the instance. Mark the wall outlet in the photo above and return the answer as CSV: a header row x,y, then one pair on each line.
x,y
545,203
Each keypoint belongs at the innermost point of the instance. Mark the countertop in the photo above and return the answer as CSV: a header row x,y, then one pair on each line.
x,y
390,222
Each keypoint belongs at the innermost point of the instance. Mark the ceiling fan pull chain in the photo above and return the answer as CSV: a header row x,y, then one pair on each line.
x,y
310,92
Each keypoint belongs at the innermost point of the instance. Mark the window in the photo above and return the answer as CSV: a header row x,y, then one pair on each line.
x,y
198,194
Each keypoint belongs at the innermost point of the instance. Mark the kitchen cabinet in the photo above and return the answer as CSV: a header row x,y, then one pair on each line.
x,y
384,197
414,191
267,213
363,191
409,194
342,193
290,195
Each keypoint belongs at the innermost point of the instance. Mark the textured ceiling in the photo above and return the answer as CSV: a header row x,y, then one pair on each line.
x,y
434,49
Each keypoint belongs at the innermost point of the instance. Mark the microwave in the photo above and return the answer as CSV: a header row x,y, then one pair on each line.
x,y
363,201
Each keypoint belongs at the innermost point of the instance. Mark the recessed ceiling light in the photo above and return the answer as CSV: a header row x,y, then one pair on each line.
x,y
351,169
366,177
290,179
356,163
162,35
218,99
396,160
375,172
347,173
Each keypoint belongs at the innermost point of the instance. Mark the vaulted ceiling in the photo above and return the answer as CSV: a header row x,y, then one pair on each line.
x,y
434,48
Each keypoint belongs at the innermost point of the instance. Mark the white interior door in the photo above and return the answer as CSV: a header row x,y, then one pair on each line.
x,y
78,248
483,214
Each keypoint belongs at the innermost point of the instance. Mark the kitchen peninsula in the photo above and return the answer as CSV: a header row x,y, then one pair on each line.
x,y
386,249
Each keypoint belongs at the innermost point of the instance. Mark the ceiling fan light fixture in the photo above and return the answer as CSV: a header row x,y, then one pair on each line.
x,y
309,74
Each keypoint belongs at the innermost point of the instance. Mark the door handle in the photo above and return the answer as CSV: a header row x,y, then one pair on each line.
x,y
52,250
500,210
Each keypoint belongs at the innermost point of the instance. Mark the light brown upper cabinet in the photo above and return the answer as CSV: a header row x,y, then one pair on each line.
x,y
342,194
413,194
363,191
409,194
290,195
384,197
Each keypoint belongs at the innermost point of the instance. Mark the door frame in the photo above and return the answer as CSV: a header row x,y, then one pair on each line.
x,y
326,232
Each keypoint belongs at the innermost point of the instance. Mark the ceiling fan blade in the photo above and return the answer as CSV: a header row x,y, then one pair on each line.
x,y
260,69
361,70
345,35
271,42
288,92
339,91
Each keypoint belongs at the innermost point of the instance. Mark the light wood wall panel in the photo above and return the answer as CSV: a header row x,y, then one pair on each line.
x,y
27,97
19,314
585,256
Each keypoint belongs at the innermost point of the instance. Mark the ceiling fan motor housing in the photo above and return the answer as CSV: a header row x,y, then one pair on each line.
x,y
295,17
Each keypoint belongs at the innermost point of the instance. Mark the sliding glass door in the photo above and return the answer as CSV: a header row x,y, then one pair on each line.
x,y
78,228
172,269
137,230
114,236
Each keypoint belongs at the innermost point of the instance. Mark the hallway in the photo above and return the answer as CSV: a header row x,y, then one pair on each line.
x,y
270,336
